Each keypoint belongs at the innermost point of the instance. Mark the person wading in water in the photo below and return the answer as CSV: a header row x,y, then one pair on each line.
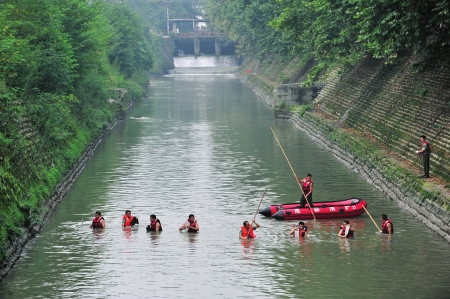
x,y
98,221
128,220
247,230
387,227
155,224
301,228
347,231
191,224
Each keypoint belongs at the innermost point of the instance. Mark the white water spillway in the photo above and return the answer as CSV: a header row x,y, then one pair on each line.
x,y
206,61
211,64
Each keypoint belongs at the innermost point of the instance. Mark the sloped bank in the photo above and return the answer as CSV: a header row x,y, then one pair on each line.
x,y
20,244
371,160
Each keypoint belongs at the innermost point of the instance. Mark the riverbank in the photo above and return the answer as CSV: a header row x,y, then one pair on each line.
x,y
17,246
382,154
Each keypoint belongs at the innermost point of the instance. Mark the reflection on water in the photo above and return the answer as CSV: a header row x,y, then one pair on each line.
x,y
202,145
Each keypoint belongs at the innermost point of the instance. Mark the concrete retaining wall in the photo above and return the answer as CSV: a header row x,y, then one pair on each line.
x,y
425,210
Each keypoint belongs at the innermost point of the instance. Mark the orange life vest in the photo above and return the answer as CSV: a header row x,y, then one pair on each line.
x,y
128,220
247,233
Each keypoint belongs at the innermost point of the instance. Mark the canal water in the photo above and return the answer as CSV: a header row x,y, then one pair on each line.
x,y
202,144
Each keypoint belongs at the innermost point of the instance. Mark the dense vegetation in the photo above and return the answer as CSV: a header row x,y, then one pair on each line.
x,y
60,62
337,31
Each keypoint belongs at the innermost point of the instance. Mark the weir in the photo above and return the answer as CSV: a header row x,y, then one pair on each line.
x,y
225,64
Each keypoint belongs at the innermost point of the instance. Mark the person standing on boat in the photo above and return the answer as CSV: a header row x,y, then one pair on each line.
x,y
301,228
155,224
247,230
347,231
128,220
191,224
98,221
387,227
307,187
425,152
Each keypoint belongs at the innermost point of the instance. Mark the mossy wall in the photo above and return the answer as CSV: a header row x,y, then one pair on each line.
x,y
393,105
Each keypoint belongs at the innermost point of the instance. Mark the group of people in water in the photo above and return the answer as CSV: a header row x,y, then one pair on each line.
x,y
247,229
155,225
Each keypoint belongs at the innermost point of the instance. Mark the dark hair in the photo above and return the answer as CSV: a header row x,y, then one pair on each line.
x,y
346,221
309,175
99,213
423,136
153,216
384,216
127,211
301,223
245,222
191,215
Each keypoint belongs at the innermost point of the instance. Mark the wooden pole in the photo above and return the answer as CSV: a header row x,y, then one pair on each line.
x,y
293,172
257,209
371,218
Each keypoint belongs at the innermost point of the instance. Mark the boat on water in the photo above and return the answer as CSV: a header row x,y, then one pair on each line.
x,y
346,208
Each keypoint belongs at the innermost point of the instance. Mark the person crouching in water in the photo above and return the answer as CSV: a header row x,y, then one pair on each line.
x,y
191,224
301,228
155,224
98,221
347,231
247,230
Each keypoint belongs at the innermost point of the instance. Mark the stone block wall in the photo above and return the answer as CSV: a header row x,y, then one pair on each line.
x,y
394,105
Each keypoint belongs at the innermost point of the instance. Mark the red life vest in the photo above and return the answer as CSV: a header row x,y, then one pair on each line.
x,y
384,228
306,186
302,232
96,222
192,224
127,220
153,225
247,233
350,232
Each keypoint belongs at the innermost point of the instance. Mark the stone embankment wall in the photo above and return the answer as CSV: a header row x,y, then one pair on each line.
x,y
371,118
429,212
394,105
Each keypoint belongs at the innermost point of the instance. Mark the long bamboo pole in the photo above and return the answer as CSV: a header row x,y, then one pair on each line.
x,y
293,172
257,209
371,218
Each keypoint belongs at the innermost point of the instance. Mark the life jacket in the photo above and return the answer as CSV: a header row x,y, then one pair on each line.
x,y
128,220
247,233
193,225
384,228
307,186
426,148
350,232
96,222
302,232
152,226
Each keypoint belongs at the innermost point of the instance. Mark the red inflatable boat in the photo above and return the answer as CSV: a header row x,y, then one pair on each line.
x,y
346,208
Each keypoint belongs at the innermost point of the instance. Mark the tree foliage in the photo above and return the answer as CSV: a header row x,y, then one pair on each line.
x,y
333,30
60,62
247,23
342,31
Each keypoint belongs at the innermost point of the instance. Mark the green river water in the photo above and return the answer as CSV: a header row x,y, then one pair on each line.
x,y
202,144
